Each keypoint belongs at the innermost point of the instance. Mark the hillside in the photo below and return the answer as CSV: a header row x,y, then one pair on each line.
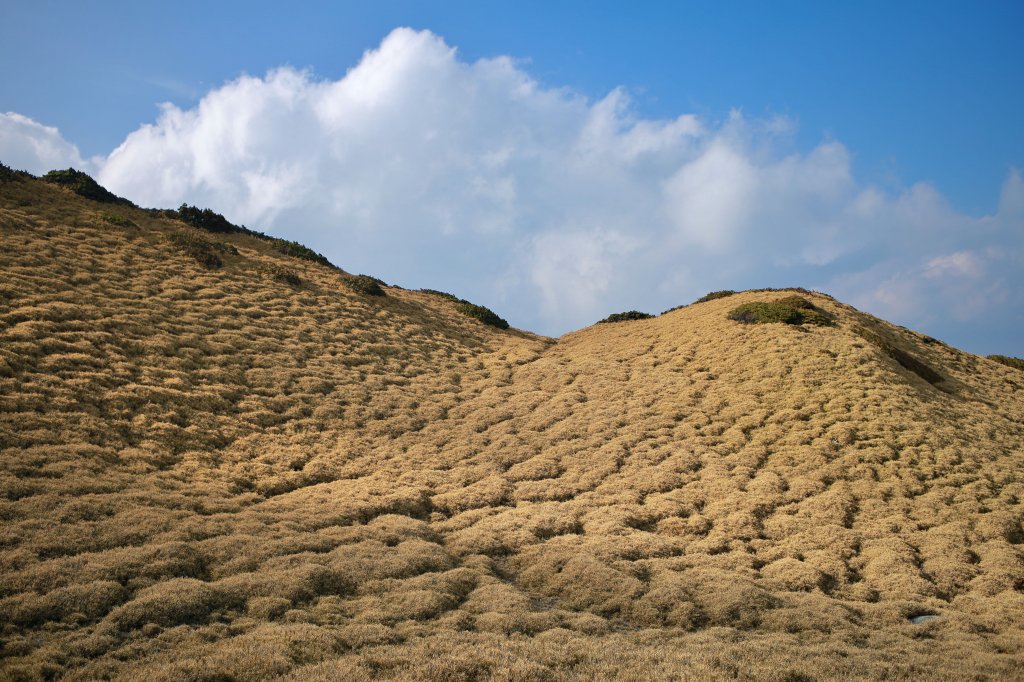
x,y
248,466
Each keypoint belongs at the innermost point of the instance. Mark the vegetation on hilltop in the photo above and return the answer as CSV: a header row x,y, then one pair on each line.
x,y
483,314
8,174
794,310
711,296
84,186
211,221
477,312
1016,363
626,316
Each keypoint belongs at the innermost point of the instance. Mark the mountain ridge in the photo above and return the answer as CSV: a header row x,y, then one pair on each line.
x,y
210,471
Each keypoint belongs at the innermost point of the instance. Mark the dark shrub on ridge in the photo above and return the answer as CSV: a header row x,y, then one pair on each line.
x,y
485,315
364,284
84,186
623,317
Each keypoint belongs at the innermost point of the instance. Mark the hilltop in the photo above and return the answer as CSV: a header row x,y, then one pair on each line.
x,y
222,457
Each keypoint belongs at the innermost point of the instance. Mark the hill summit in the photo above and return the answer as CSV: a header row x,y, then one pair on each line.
x,y
225,458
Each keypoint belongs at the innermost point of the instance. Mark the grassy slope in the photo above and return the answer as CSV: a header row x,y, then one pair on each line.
x,y
210,472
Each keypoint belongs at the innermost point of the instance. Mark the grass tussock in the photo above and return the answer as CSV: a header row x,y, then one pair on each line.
x,y
207,475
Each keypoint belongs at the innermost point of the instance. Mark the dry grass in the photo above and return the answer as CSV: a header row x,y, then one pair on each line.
x,y
211,474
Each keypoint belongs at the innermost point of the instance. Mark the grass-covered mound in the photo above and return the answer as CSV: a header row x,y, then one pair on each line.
x,y
794,310
626,317
83,185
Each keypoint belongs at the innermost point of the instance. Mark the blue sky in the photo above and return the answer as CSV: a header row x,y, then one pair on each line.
x,y
657,153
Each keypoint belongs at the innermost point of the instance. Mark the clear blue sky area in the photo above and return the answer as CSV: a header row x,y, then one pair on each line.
x,y
919,90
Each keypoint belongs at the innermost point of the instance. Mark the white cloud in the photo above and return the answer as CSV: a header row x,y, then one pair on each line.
x,y
27,145
959,264
555,210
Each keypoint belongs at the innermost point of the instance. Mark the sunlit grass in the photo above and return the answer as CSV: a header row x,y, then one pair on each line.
x,y
222,474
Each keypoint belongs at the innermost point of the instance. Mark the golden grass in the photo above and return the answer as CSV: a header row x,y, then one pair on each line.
x,y
216,474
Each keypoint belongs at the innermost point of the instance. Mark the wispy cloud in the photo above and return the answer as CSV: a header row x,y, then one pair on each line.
x,y
554,209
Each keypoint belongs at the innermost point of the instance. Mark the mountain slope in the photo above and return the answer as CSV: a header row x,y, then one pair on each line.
x,y
220,471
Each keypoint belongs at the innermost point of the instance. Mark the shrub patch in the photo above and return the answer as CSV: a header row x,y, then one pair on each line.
x,y
1016,363
477,312
794,310
211,221
281,274
118,220
711,296
8,174
485,315
206,253
626,316
364,284
84,186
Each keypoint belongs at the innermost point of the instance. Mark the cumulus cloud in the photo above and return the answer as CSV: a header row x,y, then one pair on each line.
x,y
27,145
431,171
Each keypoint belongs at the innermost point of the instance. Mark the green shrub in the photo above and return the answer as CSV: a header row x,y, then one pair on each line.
x,y
714,295
444,294
84,186
623,317
364,284
205,252
204,219
477,312
485,315
1016,363
788,310
118,220
211,221
297,250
